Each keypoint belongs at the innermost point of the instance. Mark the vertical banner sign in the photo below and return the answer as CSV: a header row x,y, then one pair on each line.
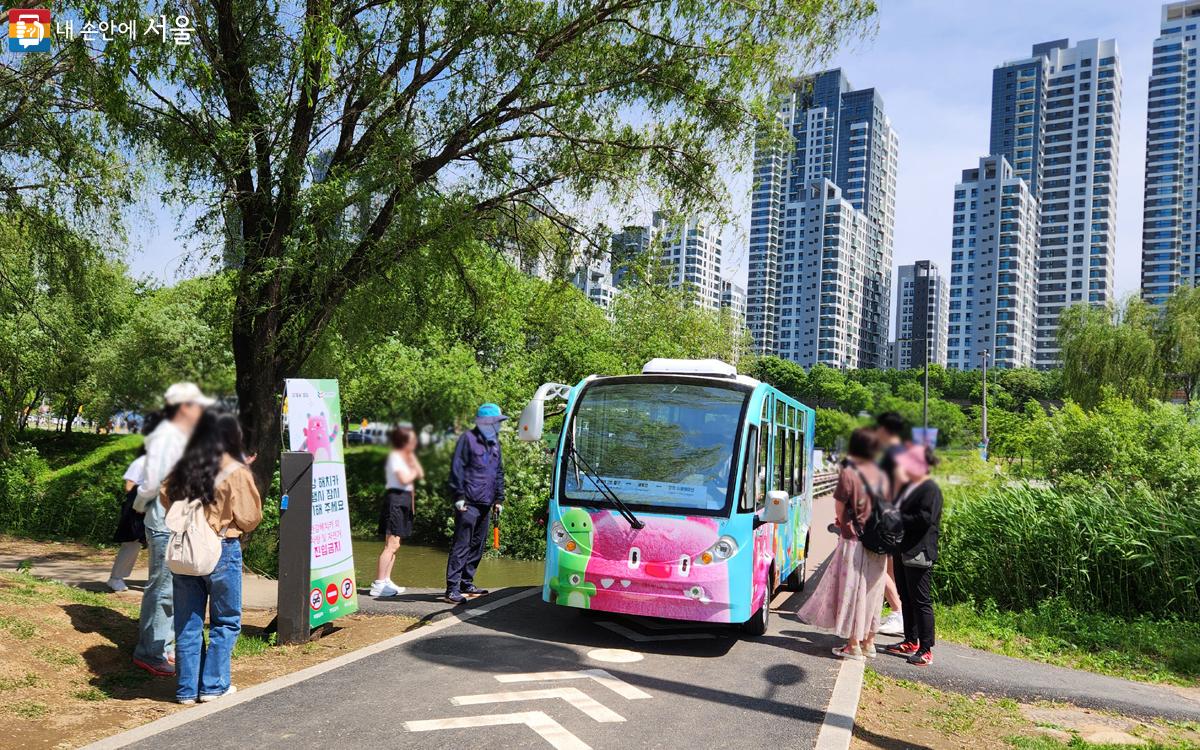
x,y
312,414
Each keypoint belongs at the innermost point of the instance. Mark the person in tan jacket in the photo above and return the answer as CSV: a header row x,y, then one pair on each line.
x,y
212,470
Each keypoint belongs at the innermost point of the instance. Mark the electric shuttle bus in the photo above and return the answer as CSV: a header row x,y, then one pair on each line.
x,y
684,492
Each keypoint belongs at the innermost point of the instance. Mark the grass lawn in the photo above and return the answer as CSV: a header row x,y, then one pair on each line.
x,y
1147,650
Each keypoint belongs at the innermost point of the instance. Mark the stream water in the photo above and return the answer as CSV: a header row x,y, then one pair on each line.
x,y
425,567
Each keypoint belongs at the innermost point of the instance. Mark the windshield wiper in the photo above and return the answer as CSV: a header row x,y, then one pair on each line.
x,y
603,488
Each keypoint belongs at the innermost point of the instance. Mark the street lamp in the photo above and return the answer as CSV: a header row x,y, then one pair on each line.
x,y
983,445
925,404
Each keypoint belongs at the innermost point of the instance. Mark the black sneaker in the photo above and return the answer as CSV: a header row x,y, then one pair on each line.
x,y
473,590
454,597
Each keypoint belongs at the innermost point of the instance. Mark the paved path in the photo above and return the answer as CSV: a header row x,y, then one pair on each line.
x,y
525,675
966,670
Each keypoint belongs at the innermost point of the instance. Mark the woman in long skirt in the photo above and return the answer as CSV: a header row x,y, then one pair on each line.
x,y
849,598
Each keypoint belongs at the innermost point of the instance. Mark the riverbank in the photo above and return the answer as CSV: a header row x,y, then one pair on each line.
x,y
65,675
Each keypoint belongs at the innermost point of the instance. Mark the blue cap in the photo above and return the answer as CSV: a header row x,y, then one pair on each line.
x,y
490,411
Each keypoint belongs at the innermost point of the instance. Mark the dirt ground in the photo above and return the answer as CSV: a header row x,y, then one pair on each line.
x,y
65,673
903,715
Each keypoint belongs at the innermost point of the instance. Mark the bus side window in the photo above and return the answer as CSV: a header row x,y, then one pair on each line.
x,y
781,434
747,501
797,469
764,466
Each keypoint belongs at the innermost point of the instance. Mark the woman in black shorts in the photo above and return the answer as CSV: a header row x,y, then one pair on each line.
x,y
396,516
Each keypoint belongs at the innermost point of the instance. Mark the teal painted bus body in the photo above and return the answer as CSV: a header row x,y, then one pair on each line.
x,y
701,555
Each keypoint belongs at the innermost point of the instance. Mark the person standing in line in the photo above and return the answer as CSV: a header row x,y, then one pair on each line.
x,y
921,508
849,598
893,431
155,650
211,471
131,527
401,472
477,485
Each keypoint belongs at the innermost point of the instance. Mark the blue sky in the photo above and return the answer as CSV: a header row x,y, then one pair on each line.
x,y
931,60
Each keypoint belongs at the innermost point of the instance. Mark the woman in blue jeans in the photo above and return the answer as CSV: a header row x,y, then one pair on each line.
x,y
212,471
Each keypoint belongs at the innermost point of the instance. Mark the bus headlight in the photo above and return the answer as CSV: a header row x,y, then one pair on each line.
x,y
722,550
558,534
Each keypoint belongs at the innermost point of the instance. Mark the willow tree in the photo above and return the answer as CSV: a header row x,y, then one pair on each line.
x,y
325,141
1106,348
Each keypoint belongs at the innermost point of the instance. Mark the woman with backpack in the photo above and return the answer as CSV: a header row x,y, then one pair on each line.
x,y
211,472
849,598
920,502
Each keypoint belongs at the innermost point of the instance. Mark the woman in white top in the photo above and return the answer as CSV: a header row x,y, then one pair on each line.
x,y
131,530
396,516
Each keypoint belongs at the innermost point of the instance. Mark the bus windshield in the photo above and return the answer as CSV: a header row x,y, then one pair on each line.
x,y
658,445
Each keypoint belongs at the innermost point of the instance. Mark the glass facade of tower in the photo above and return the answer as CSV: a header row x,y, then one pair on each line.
x,y
1170,215
1056,119
822,218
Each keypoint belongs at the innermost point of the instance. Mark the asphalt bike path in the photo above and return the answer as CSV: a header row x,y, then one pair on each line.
x,y
529,674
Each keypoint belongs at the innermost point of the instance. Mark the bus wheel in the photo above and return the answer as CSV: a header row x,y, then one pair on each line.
x,y
796,579
757,625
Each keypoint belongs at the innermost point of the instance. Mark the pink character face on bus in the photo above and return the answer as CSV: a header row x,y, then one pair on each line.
x,y
318,437
656,571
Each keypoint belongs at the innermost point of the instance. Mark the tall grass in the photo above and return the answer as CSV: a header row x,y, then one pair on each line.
x,y
1121,550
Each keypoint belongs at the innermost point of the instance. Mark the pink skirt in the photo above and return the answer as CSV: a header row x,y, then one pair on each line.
x,y
849,597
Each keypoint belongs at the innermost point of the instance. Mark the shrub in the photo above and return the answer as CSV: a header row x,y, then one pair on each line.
x,y
1124,550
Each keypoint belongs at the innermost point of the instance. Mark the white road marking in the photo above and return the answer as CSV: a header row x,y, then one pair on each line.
x,y
549,729
838,727
576,697
637,637
614,655
621,688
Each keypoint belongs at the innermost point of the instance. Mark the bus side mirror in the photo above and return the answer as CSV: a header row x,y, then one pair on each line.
x,y
529,426
776,509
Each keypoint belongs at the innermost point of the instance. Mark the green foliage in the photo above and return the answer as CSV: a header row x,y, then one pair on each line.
x,y
1101,350
1158,445
173,333
1123,550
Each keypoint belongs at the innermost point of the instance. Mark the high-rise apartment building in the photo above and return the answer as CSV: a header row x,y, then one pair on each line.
x,y
922,309
1171,211
822,218
1056,119
993,268
629,247
733,298
684,253
594,278
690,253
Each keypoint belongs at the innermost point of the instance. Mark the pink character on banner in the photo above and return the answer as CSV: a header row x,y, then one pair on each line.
x,y
319,437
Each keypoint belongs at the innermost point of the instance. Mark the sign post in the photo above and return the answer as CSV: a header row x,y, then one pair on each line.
x,y
312,416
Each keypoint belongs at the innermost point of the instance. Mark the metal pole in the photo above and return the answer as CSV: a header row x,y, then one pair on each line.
x,y
983,421
925,408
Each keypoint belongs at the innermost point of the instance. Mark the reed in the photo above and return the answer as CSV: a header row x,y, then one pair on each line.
x,y
1122,550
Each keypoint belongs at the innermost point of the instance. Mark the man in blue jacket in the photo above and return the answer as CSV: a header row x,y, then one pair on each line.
x,y
477,484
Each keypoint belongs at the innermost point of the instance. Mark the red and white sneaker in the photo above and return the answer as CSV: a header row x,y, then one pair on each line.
x,y
906,648
921,659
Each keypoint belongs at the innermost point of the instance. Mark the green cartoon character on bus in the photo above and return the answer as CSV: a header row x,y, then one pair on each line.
x,y
573,537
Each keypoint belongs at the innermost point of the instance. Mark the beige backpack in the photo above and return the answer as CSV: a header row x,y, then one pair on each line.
x,y
194,548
